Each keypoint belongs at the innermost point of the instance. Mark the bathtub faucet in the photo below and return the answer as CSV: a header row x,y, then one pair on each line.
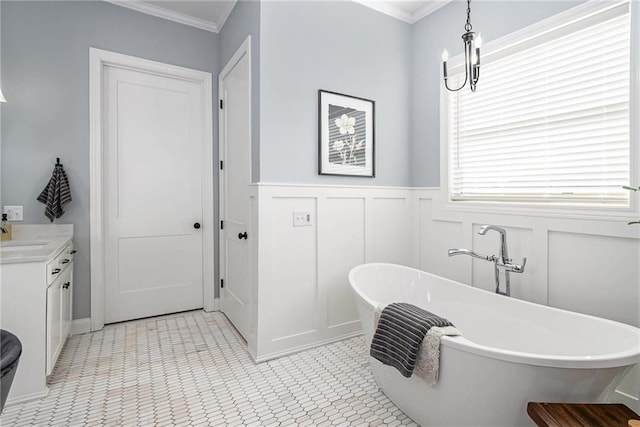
x,y
453,252
501,262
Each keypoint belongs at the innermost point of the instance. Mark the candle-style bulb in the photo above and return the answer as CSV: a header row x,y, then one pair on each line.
x,y
445,55
478,42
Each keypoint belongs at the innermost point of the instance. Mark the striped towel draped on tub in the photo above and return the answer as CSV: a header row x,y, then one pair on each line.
x,y
399,336
56,193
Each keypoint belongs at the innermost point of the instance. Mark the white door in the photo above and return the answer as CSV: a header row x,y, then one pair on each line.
x,y
153,207
235,177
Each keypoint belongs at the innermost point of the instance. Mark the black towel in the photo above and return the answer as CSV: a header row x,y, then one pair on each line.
x,y
399,335
56,193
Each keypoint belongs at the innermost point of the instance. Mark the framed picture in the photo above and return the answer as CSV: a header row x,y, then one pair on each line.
x,y
346,135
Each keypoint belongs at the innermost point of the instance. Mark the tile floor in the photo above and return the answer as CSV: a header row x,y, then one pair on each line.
x,y
192,369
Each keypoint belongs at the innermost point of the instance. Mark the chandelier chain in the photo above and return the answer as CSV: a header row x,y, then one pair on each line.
x,y
467,26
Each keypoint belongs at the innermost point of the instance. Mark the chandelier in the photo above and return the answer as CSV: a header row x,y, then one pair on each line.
x,y
472,43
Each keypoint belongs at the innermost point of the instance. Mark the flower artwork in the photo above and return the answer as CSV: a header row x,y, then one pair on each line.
x,y
349,147
346,135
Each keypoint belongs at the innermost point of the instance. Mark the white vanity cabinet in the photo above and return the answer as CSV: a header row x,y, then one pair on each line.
x,y
36,287
59,303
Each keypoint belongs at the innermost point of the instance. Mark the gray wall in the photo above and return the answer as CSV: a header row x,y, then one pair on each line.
x,y
45,76
337,46
442,29
245,21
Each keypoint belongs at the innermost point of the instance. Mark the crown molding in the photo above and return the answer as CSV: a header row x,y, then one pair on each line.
x,y
389,8
170,15
225,15
428,9
386,7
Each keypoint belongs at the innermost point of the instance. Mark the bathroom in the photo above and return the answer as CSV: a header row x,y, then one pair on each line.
x,y
580,259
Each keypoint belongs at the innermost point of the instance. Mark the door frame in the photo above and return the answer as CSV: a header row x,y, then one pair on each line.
x,y
244,49
98,60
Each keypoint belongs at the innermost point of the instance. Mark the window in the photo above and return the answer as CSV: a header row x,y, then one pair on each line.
x,y
549,122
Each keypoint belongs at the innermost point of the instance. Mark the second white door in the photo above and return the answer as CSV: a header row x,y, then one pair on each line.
x,y
235,177
153,203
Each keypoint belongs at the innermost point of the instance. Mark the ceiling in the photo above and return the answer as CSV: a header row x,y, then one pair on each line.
x,y
211,15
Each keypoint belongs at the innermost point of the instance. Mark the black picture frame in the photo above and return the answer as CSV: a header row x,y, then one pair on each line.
x,y
346,135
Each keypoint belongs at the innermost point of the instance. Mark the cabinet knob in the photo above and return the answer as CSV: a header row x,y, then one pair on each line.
x,y
196,225
55,271
73,252
242,236
66,285
65,261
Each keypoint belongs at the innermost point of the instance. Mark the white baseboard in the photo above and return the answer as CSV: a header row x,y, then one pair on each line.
x,y
81,326
298,349
215,307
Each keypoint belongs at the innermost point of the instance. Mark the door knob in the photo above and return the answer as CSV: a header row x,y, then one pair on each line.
x,y
196,225
242,235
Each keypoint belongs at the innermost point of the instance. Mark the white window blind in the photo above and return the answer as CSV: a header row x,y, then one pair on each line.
x,y
549,121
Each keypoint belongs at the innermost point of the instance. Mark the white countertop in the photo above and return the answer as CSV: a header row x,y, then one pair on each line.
x,y
35,243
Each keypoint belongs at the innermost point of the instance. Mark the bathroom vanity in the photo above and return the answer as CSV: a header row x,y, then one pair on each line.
x,y
36,289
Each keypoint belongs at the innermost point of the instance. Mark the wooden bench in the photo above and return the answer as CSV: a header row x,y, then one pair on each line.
x,y
546,414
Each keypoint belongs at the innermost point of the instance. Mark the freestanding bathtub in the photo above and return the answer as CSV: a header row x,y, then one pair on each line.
x,y
511,351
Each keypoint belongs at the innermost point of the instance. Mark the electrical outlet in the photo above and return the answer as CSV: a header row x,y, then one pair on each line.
x,y
301,218
14,213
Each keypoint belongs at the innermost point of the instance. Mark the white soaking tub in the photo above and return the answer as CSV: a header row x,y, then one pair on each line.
x,y
511,351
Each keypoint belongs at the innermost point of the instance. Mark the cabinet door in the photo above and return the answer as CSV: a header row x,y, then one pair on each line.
x,y
53,322
58,295
66,298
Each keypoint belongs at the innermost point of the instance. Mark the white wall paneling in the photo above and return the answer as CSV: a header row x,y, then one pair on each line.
x,y
576,263
301,292
304,298
591,274
342,237
435,238
390,220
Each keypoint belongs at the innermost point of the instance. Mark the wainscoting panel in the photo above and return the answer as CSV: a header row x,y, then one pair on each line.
x,y
390,237
303,298
587,265
304,295
342,239
595,275
291,304
436,238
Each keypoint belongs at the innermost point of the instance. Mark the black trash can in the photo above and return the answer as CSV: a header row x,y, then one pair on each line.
x,y
10,351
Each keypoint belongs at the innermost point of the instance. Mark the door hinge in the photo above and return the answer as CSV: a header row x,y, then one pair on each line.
x,y
222,283
221,165
221,225
221,104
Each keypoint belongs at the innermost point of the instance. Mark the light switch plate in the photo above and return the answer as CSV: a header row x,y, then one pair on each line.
x,y
301,218
14,213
